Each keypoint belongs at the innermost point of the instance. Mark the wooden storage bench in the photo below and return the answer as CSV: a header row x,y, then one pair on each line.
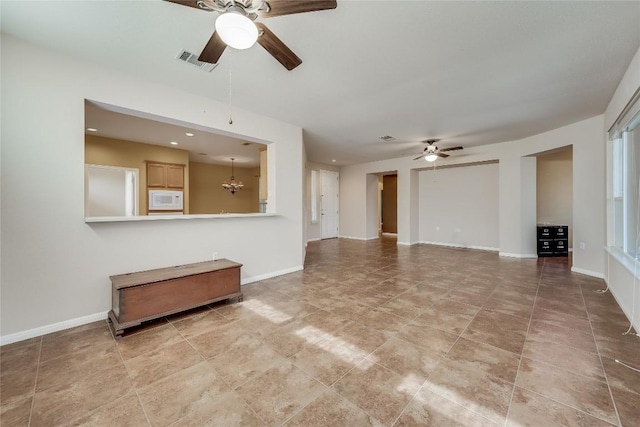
x,y
147,295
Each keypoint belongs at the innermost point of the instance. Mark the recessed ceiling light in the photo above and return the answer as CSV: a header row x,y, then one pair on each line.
x,y
92,129
333,160
189,134
173,143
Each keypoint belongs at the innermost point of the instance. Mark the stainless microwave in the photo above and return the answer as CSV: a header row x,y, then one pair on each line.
x,y
165,200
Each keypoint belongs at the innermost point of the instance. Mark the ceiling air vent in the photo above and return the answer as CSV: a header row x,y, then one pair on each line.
x,y
386,138
189,57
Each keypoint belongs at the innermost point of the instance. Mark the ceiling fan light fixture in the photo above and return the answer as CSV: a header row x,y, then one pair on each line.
x,y
236,30
431,157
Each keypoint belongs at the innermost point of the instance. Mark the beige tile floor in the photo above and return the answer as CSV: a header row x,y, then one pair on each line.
x,y
368,334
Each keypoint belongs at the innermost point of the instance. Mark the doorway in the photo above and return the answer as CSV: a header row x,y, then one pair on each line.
x,y
389,204
554,189
329,203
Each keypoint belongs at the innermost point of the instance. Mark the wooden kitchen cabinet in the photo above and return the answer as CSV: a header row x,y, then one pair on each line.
x,y
165,175
156,175
175,176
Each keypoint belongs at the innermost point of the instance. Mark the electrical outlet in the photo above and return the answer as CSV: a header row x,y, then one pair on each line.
x,y
583,246
214,257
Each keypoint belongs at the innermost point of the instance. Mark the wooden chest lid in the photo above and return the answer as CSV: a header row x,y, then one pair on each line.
x,y
158,275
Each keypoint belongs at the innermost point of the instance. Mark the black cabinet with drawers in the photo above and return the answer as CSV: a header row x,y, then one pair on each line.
x,y
553,240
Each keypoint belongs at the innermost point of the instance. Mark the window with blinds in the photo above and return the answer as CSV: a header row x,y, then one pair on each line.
x,y
625,186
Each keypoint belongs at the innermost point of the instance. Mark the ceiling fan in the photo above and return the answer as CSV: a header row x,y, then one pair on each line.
x,y
432,152
235,27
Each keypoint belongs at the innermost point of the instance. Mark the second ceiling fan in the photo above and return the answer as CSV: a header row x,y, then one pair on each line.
x,y
432,152
235,27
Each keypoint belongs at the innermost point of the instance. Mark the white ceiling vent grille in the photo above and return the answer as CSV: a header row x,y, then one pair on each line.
x,y
189,57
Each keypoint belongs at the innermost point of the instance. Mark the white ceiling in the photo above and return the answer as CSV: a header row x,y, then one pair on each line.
x,y
469,72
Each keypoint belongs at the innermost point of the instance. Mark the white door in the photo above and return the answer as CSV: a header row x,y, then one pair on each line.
x,y
329,204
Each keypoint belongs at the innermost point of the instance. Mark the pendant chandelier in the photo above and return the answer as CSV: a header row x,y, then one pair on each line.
x,y
233,185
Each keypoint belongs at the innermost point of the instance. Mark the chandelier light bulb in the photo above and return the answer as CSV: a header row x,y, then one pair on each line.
x,y
232,186
431,157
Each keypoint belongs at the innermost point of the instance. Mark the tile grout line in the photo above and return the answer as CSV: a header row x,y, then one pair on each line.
x,y
606,377
353,367
566,344
565,404
35,385
349,400
187,341
248,405
515,381
204,359
94,410
567,370
434,368
313,400
135,390
330,387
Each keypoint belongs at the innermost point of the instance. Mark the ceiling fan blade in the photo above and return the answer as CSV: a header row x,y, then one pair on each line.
x,y
277,48
190,3
213,49
452,148
289,7
419,157
444,156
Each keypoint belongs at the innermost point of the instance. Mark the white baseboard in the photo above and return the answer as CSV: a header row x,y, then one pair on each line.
x,y
390,234
587,272
317,239
358,238
456,245
511,255
269,275
406,243
54,327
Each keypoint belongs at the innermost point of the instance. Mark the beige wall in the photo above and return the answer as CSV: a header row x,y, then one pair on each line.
x,y
554,189
115,152
208,196
459,206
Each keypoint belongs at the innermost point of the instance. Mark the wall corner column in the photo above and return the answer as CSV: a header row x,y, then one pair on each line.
x,y
408,207
517,209
371,223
